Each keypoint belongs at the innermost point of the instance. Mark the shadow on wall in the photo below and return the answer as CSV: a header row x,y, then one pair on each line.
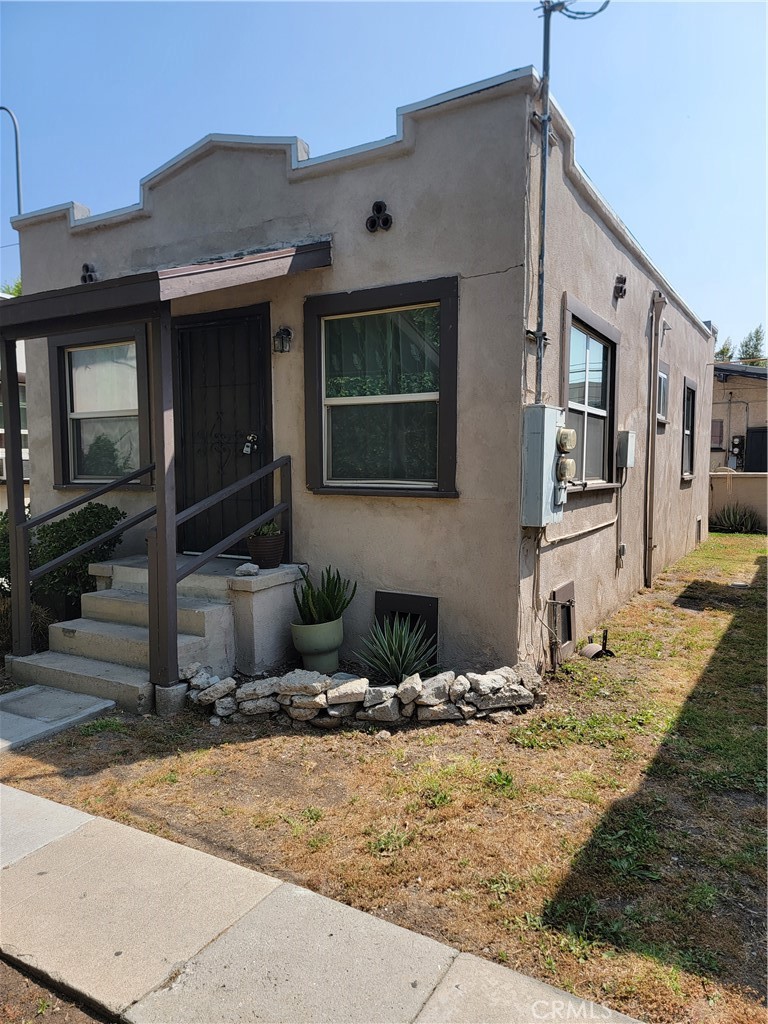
x,y
668,871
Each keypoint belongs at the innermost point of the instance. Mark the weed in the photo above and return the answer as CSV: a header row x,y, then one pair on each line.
x,y
171,777
627,839
313,814
317,841
502,885
503,781
701,896
391,841
102,725
434,796
599,729
42,1007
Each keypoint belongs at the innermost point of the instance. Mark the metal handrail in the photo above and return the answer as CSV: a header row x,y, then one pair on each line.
x,y
226,492
197,561
96,492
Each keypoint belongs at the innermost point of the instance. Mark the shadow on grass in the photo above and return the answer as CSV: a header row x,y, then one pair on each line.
x,y
676,871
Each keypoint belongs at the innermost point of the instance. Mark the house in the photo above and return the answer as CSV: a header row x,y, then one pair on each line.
x,y
739,418
368,317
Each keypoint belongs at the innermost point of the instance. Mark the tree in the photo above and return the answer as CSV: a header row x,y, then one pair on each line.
x,y
724,354
14,289
752,346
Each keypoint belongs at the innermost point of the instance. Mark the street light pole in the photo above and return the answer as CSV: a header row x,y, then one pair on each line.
x,y
10,113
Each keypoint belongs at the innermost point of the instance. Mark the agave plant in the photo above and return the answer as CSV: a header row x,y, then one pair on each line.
x,y
736,518
324,603
398,648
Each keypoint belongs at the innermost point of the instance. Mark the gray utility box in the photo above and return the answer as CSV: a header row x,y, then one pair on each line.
x,y
625,449
542,494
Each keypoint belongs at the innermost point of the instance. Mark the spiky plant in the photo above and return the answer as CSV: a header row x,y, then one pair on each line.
x,y
324,603
398,648
736,518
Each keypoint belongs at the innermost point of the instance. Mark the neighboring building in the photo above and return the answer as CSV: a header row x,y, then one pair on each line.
x,y
401,399
739,418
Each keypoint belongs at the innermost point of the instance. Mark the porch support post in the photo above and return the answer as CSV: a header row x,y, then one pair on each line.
x,y
286,495
21,601
163,650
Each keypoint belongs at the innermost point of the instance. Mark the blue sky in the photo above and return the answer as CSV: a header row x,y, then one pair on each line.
x,y
667,101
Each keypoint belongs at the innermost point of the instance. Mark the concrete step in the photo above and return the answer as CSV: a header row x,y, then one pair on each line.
x,y
128,687
195,616
117,642
214,582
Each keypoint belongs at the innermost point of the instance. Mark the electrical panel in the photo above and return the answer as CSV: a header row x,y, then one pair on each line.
x,y
546,468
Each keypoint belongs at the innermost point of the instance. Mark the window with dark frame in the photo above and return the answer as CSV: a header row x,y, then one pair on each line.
x,y
24,433
717,436
99,387
590,398
380,374
689,426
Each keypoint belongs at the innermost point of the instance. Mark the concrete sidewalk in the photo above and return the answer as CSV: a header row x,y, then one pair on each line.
x,y
157,933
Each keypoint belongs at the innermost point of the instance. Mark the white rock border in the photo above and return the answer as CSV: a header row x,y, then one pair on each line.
x,y
327,701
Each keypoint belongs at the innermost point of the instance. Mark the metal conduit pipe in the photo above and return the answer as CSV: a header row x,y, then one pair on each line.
x,y
659,303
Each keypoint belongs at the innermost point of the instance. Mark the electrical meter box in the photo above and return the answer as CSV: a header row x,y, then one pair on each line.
x,y
544,488
625,449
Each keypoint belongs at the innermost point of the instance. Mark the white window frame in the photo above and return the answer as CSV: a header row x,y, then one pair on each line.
x,y
662,390
357,400
585,410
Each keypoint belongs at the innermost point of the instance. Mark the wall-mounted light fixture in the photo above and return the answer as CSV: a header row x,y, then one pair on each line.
x,y
620,286
281,339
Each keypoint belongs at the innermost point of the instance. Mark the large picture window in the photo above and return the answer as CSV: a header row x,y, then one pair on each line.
x,y
99,381
381,390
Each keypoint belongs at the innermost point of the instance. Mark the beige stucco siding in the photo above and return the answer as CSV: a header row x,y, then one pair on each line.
x,y
740,403
584,256
455,187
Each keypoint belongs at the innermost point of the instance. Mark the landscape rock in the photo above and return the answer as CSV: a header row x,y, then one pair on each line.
x,y
436,690
256,688
389,711
458,688
214,720
410,688
486,683
509,695
506,717
284,698
189,671
323,721
406,710
302,714
343,677
237,717
261,706
200,680
220,689
467,710
225,706
439,713
247,569
353,690
385,734
522,673
316,703
378,695
301,681
193,696
342,710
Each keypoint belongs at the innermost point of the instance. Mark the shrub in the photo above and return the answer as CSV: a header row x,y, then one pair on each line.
x,y
325,603
398,649
270,529
41,620
736,518
53,539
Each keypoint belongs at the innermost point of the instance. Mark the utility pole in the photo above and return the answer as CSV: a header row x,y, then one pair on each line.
x,y
10,113
548,8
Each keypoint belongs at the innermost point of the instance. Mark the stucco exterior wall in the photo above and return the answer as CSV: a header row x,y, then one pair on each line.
x,y
455,185
748,489
583,257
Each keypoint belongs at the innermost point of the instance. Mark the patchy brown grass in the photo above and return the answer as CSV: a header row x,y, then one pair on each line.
x,y
611,844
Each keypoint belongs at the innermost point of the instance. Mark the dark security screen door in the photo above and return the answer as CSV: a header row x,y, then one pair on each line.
x,y
223,386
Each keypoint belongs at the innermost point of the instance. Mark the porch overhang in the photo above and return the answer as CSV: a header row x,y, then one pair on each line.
x,y
140,296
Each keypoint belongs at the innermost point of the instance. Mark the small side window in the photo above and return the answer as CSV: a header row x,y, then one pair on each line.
x,y
689,427
662,398
716,440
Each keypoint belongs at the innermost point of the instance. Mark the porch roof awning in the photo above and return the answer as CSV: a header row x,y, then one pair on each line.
x,y
140,295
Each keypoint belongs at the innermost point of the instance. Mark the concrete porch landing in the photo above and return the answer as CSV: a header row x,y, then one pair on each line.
x,y
158,933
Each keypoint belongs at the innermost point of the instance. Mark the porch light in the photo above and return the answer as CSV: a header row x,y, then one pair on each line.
x,y
281,339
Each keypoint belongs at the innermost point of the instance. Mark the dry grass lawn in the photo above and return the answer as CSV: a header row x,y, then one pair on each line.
x,y
611,843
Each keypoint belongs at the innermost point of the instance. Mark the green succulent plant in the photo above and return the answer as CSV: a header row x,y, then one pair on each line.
x,y
270,529
398,648
326,602
736,518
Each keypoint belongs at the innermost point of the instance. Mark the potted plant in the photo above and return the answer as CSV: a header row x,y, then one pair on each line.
x,y
265,545
319,634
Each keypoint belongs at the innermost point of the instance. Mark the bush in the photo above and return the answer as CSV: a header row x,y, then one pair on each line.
x,y
53,539
399,649
736,519
41,620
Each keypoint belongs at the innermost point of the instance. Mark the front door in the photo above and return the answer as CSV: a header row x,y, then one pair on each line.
x,y
223,395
